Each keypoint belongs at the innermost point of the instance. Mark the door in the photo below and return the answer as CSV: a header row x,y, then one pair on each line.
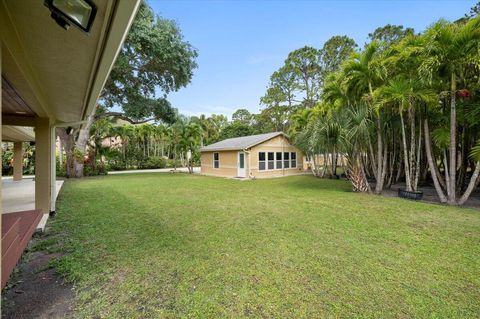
x,y
241,171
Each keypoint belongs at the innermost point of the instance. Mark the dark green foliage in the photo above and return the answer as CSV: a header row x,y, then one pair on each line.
x,y
154,58
99,169
243,116
389,34
235,129
336,50
153,162
28,159
474,11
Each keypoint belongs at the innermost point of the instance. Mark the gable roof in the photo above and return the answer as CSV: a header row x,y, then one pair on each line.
x,y
240,143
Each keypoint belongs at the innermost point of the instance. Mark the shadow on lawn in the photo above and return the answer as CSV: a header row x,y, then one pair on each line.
x,y
115,233
316,183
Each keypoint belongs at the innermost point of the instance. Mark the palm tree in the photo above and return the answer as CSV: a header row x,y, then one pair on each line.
x,y
447,51
362,75
298,121
474,180
191,140
175,133
405,93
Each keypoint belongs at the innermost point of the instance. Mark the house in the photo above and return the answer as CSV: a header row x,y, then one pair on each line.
x,y
255,156
55,57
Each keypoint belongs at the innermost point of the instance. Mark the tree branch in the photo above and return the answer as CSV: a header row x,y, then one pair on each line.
x,y
122,117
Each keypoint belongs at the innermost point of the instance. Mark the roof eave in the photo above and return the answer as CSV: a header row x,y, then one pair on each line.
x,y
243,148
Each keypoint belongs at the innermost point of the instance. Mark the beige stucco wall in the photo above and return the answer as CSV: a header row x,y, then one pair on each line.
x,y
17,161
276,144
43,165
228,163
229,159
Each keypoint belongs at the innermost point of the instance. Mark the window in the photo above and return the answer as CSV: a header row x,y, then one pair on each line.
x,y
261,161
271,160
216,160
279,160
286,160
293,158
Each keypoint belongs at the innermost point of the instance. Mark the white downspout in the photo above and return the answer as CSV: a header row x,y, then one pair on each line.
x,y
53,169
249,170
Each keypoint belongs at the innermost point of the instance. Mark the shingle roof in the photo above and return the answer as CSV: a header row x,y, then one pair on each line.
x,y
240,143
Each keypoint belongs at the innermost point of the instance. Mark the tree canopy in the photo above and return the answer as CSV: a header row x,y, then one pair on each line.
x,y
155,60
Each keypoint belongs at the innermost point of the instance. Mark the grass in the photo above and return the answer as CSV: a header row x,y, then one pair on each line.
x,y
174,245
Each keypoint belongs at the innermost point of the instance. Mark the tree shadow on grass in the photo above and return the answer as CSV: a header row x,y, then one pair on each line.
x,y
315,183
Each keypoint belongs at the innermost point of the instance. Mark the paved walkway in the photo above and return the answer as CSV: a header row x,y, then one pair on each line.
x,y
20,195
196,170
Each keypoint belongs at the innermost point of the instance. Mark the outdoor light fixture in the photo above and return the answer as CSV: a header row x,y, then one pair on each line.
x,y
80,13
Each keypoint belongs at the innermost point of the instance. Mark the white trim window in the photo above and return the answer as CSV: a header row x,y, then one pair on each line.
x,y
216,160
261,161
286,160
293,159
278,162
271,160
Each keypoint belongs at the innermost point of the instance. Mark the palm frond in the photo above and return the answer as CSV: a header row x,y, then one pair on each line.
x,y
475,152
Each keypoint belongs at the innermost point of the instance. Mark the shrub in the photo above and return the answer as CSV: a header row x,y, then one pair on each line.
x,y
153,162
100,169
171,162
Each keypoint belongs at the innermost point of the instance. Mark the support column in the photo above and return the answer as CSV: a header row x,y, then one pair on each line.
x,y
43,164
17,161
53,169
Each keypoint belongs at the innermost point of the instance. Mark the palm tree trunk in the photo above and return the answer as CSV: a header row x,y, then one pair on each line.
x,y
365,183
379,184
315,165
411,115
391,167
399,171
418,162
334,162
432,165
405,155
372,158
471,185
447,175
453,142
384,166
324,168
174,160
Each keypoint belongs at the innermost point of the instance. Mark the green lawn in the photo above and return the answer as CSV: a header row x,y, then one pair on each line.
x,y
164,245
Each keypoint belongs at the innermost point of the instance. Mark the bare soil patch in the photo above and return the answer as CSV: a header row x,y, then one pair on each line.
x,y
37,291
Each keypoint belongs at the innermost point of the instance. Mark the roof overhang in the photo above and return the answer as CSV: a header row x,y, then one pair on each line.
x,y
223,149
17,134
212,148
57,73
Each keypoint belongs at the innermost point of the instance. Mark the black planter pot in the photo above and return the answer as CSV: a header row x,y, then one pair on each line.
x,y
410,195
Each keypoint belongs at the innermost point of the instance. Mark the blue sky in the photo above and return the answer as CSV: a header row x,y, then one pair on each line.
x,y
241,43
